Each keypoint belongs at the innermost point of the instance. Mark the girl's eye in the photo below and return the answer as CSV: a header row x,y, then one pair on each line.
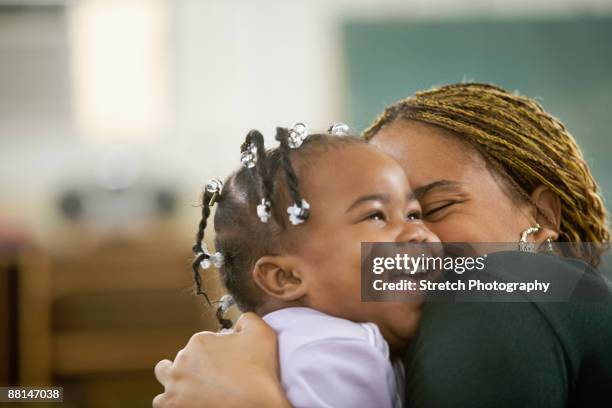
x,y
439,208
376,216
416,215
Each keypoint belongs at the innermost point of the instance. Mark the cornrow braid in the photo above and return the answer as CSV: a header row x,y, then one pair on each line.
x,y
526,145
223,321
255,139
264,173
225,303
282,136
197,248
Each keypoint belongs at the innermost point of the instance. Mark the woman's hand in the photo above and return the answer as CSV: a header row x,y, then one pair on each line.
x,y
237,369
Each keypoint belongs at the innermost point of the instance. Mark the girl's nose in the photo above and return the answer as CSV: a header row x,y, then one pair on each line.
x,y
417,232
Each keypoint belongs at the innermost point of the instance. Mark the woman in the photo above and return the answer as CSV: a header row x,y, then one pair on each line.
x,y
486,165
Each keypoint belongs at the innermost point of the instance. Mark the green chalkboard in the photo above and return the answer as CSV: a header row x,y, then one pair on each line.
x,y
565,64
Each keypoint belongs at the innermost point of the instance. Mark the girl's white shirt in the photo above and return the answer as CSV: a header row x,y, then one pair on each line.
x,y
327,361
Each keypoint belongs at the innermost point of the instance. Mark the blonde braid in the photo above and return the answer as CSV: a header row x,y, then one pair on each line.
x,y
527,145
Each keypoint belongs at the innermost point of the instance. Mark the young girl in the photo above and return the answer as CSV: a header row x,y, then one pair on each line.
x,y
288,226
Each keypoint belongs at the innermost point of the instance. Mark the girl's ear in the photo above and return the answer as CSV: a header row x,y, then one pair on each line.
x,y
279,277
549,212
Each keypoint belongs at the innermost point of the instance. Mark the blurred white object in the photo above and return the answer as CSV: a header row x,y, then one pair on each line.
x,y
120,68
118,168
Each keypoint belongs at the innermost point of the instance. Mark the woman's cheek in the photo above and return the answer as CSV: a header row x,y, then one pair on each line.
x,y
441,230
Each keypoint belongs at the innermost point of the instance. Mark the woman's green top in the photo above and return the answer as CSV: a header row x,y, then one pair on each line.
x,y
520,354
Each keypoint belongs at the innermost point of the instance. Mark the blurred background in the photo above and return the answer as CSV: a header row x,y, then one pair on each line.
x,y
115,113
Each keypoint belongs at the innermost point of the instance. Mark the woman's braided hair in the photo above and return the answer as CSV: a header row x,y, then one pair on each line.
x,y
525,144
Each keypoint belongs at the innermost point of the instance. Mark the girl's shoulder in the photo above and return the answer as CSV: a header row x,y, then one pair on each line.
x,y
298,327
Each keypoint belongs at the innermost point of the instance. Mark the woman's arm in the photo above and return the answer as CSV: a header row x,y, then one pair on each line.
x,y
238,369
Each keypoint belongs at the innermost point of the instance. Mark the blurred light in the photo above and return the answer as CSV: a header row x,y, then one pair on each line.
x,y
118,168
120,68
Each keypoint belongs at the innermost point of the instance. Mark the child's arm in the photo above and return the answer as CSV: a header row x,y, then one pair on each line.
x,y
339,373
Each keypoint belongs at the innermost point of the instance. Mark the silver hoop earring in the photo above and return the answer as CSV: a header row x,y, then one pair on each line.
x,y
524,245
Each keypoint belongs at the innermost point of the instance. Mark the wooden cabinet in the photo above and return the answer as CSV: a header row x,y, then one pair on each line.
x,y
97,322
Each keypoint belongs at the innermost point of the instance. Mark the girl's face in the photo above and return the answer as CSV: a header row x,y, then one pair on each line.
x,y
462,200
356,194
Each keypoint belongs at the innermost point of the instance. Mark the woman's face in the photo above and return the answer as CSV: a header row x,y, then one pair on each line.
x,y
461,200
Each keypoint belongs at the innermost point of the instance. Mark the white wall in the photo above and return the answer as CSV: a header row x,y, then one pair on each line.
x,y
232,66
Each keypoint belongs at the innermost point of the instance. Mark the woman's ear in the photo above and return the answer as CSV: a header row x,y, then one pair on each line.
x,y
548,211
279,277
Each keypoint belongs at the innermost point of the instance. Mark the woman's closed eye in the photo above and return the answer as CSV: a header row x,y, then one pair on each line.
x,y
437,209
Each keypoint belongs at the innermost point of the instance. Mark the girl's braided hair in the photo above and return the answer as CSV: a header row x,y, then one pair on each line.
x,y
526,145
240,235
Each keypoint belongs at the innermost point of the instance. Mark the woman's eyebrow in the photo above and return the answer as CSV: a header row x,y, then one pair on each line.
x,y
437,185
371,197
